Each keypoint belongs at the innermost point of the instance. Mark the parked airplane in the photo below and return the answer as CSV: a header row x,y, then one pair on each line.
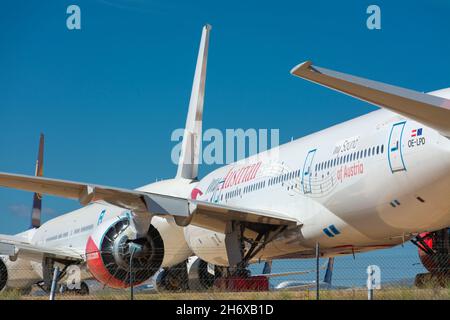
x,y
372,182
325,284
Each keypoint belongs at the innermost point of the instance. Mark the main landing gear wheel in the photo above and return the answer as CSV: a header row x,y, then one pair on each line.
x,y
82,291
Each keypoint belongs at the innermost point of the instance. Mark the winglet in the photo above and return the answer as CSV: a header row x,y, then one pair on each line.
x,y
301,66
190,148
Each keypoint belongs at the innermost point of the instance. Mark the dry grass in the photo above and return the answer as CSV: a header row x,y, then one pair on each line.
x,y
348,294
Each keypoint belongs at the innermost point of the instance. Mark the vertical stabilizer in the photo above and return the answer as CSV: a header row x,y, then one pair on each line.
x,y
329,272
267,267
190,148
37,198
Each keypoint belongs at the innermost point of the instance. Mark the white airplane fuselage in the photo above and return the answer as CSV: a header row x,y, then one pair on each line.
x,y
345,199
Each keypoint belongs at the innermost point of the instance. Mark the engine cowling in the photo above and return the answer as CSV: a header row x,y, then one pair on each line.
x,y
207,245
17,274
118,260
437,261
3,275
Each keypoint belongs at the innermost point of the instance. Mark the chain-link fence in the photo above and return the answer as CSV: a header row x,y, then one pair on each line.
x,y
396,273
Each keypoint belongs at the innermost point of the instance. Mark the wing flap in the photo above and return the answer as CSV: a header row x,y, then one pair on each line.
x,y
215,216
425,108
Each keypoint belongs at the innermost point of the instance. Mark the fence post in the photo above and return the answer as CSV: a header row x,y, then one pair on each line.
x,y
373,280
131,276
54,283
317,271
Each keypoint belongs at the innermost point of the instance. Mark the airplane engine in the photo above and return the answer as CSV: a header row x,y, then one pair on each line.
x,y
435,256
113,256
3,275
207,245
434,253
17,274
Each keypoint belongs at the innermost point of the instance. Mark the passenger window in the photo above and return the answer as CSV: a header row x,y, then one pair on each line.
x,y
382,148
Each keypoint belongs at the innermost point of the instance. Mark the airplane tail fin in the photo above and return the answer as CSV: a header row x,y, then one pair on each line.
x,y
267,267
190,148
329,272
37,198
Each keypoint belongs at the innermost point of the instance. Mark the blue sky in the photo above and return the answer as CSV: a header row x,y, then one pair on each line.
x,y
108,96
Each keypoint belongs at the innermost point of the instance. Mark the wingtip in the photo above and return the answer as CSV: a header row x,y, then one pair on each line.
x,y
207,27
302,66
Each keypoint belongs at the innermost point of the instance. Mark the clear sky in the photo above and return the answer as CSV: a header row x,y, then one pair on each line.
x,y
108,96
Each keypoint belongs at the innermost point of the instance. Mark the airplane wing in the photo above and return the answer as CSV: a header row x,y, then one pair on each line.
x,y
85,193
12,245
185,211
430,110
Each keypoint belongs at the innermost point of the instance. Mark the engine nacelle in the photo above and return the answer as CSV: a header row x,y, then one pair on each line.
x,y
3,275
437,261
207,245
115,259
16,274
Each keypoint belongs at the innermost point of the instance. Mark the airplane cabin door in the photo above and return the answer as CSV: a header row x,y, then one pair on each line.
x,y
307,171
395,156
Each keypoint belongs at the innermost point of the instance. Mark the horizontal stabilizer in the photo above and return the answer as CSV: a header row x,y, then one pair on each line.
x,y
288,273
430,110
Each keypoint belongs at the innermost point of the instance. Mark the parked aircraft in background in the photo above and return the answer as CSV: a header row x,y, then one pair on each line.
x,y
372,182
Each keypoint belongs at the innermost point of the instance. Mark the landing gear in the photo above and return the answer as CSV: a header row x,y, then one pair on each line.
x,y
82,291
175,278
52,276
243,248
